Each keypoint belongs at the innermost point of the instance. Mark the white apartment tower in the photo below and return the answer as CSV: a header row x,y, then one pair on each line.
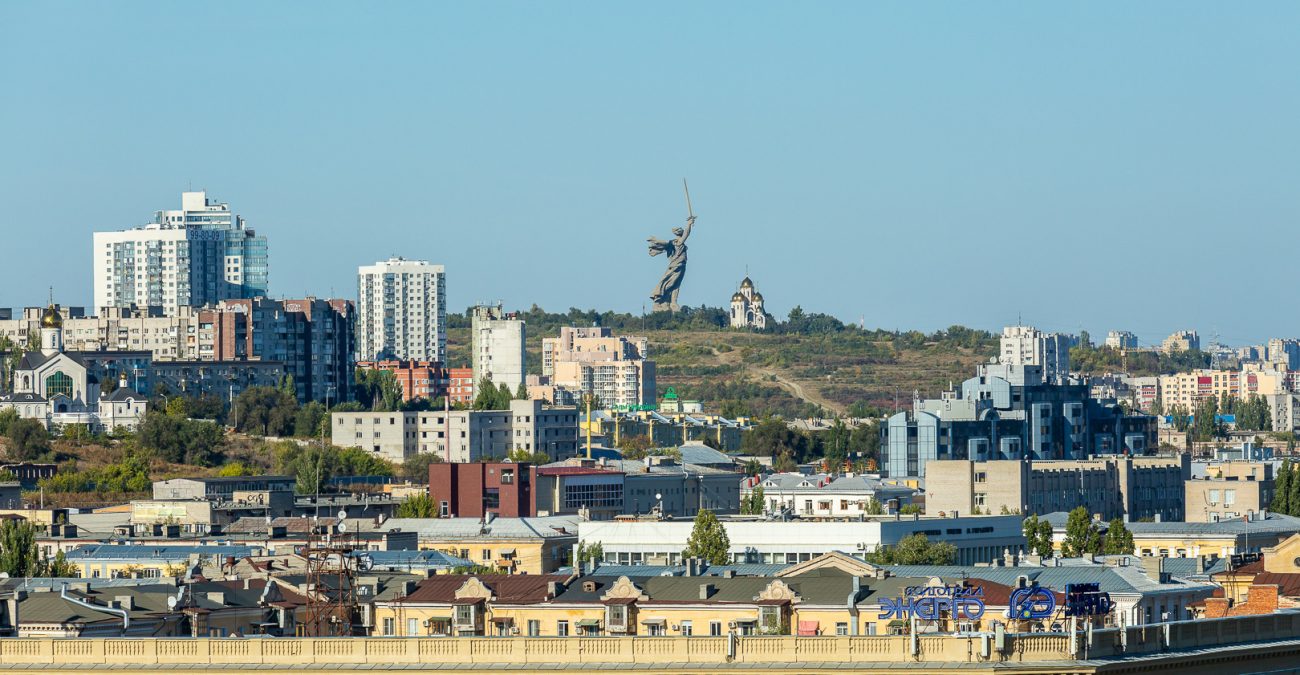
x,y
1028,346
498,346
198,255
402,311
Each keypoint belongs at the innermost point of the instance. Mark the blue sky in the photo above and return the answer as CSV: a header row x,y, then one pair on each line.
x,y
1087,165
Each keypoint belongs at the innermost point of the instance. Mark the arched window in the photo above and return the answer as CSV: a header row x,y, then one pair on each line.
x,y
58,383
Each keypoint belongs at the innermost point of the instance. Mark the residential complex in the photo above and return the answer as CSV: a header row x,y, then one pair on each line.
x,y
312,338
1181,341
401,311
1121,339
1028,346
497,346
584,361
1229,491
197,255
461,435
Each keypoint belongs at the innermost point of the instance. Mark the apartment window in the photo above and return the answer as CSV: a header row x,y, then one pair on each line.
x,y
980,499
715,628
770,619
562,628
616,615
841,628
388,626
687,628
412,627
487,554
981,477
464,615
534,628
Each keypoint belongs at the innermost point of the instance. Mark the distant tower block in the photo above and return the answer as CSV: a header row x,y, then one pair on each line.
x,y
747,307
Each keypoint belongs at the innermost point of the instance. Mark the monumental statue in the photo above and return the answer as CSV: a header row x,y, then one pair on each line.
x,y
665,294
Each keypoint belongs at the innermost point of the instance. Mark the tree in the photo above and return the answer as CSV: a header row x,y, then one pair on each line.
x,y
416,467
753,504
28,440
8,417
179,440
521,393
911,509
635,447
235,469
1033,542
708,540
593,552
488,396
1119,541
914,549
753,467
310,420
417,506
1081,535
269,411
18,552
1282,489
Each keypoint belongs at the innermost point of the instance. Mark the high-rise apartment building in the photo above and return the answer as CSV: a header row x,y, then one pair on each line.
x,y
1121,339
498,346
402,311
593,361
197,255
311,337
1181,341
1028,346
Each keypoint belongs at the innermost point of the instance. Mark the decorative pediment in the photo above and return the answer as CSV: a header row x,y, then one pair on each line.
x,y
833,560
624,588
473,589
777,590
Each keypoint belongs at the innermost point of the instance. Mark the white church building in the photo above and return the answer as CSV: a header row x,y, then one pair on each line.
x,y
55,387
747,307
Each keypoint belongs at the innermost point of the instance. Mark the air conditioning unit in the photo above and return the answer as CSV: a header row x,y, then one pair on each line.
x,y
731,624
676,627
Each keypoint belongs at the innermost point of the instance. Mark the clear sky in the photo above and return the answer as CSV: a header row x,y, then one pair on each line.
x,y
1087,165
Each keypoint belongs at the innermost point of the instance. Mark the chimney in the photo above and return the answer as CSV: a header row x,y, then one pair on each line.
x,y
408,587
705,591
552,589
126,602
217,597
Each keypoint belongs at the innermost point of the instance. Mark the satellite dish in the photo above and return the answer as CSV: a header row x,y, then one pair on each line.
x,y
342,514
658,496
343,527
172,602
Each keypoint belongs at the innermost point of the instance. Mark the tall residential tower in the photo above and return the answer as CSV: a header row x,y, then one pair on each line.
x,y
498,346
198,255
402,311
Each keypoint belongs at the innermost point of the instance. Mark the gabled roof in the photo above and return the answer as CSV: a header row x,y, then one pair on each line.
x,y
506,588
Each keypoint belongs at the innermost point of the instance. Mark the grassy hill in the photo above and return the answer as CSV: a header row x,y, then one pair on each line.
x,y
808,365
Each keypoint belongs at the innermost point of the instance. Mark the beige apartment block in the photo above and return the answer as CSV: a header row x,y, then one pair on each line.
x,y
1230,490
1137,487
593,360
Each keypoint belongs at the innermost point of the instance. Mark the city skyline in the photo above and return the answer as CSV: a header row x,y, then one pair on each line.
x,y
896,154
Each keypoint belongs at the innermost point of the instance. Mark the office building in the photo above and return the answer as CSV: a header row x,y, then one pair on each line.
x,y
312,338
1121,339
1028,346
197,255
592,360
497,347
1010,412
401,311
1132,488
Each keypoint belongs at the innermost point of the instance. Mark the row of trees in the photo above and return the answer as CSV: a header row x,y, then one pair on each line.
x,y
20,557
1286,489
1082,536
838,446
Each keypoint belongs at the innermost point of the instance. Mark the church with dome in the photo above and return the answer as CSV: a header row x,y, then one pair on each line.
x,y
747,307
55,387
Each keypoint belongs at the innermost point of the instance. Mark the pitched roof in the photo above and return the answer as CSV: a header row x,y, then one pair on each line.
x,y
506,589
474,528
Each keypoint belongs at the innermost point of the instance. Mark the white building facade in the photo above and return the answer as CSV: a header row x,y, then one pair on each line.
x,y
197,255
1028,346
402,311
498,346
747,307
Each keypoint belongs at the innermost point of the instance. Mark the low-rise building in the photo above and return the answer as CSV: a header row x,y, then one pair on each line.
x,y
418,379
1131,487
978,539
1228,491
1197,539
512,545
827,496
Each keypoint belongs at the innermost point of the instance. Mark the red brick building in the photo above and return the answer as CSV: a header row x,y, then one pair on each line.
x,y
460,385
419,379
471,489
